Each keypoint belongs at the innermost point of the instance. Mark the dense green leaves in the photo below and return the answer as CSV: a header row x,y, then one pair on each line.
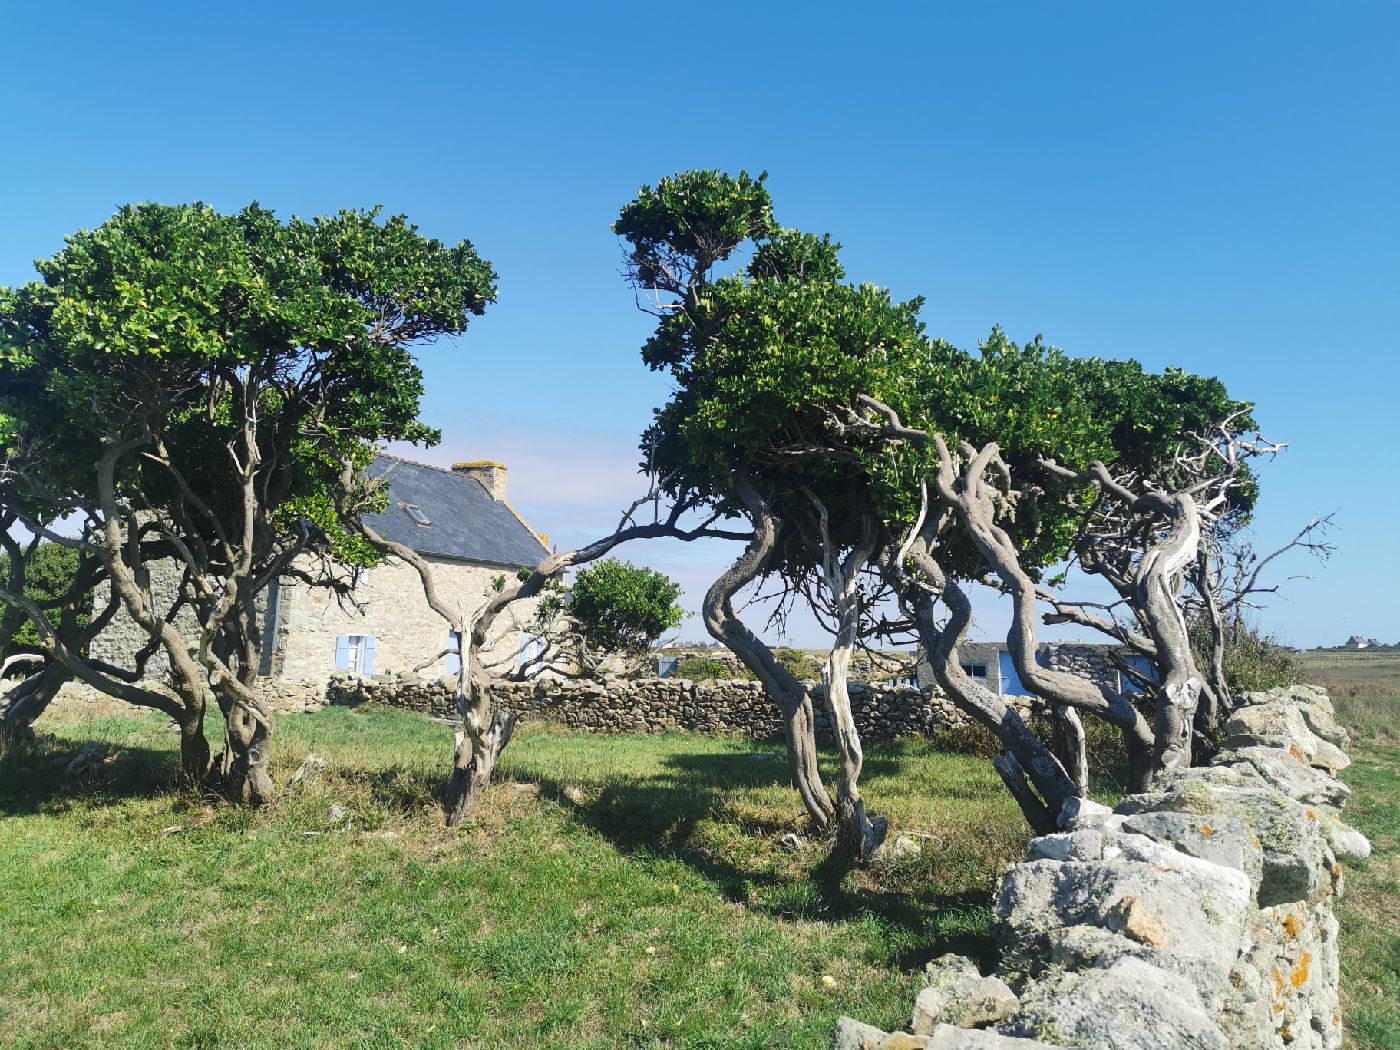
x,y
619,607
690,221
181,328
49,574
769,364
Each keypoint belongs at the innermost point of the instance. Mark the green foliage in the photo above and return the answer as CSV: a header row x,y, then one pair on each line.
x,y
1253,660
174,325
621,607
706,669
1148,418
690,221
49,574
802,665
769,364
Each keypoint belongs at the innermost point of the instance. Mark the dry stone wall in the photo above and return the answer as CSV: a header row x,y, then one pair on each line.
x,y
1198,916
653,705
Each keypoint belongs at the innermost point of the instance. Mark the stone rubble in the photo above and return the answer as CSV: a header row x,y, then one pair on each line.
x,y
1196,916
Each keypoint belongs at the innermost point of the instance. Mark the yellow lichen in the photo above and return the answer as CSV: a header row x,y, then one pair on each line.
x,y
1293,925
1207,830
1300,972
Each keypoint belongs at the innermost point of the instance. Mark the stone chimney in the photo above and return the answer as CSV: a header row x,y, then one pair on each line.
x,y
492,475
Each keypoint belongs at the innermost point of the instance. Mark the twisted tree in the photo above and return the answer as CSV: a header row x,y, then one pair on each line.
x,y
762,356
187,385
487,727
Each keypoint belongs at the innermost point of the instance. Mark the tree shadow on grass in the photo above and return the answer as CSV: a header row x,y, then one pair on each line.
x,y
33,776
662,816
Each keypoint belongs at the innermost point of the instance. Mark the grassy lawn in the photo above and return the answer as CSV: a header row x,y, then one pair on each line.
x,y
1366,689
615,891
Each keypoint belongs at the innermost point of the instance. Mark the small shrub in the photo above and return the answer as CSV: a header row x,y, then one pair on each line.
x,y
802,665
703,669
1253,660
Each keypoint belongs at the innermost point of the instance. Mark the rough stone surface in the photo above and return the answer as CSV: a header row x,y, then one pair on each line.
x,y
655,705
1131,1005
1196,916
851,1034
958,994
946,1037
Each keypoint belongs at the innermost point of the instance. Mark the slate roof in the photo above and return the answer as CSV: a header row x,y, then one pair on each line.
x,y
467,523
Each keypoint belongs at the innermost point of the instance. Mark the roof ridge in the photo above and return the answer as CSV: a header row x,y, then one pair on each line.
x,y
479,484
426,466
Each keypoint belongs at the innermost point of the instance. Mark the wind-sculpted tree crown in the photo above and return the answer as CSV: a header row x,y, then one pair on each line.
x,y
164,312
202,379
821,407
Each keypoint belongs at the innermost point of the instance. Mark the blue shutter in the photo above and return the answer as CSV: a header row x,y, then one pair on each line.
x,y
368,668
342,653
454,658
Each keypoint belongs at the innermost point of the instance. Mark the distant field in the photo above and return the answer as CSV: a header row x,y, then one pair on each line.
x,y
1365,686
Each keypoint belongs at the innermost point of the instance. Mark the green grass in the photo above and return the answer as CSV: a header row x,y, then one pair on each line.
x,y
1366,689
614,891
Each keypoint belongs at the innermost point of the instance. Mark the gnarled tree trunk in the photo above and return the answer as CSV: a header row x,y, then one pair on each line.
x,y
1156,593
26,701
1032,774
247,748
857,835
1067,741
781,685
474,762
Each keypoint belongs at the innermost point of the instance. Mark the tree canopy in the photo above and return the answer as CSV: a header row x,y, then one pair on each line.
x,y
201,379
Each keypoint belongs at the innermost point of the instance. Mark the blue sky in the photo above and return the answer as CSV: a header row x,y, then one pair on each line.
x,y
1203,185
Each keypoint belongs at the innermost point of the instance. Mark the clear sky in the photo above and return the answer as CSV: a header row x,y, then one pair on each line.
x,y
1212,186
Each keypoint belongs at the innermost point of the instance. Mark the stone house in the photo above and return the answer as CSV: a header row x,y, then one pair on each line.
x,y
991,663
457,519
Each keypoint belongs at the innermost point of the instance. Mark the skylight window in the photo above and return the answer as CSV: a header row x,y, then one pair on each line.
x,y
416,513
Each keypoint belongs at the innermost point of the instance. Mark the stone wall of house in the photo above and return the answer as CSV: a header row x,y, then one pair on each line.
x,y
1094,662
392,609
656,704
122,638
1198,916
1088,660
303,623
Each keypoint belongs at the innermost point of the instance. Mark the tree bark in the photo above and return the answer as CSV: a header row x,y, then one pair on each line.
x,y
1068,745
781,686
857,835
473,764
1156,590
25,702
194,749
974,502
247,748
1034,775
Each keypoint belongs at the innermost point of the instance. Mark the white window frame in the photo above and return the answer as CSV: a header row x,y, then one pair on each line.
x,y
358,653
